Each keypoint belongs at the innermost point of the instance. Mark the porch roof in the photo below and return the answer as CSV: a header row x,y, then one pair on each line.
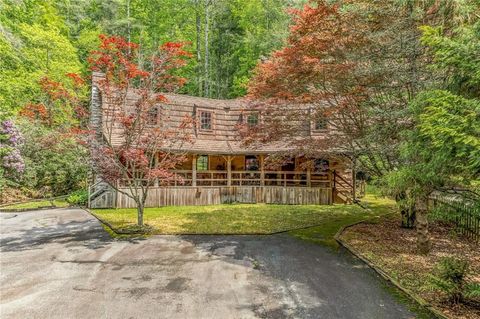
x,y
225,147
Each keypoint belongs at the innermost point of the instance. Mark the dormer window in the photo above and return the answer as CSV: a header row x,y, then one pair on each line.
x,y
206,120
153,115
320,122
252,119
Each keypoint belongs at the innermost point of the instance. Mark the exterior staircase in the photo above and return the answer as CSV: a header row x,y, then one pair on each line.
x,y
101,195
343,190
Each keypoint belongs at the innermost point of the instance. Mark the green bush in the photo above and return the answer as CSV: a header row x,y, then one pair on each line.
x,y
450,277
79,197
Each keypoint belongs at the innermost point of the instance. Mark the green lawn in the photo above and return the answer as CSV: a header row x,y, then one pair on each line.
x,y
37,204
346,215
248,219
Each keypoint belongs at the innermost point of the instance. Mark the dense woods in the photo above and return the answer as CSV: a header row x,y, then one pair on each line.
x,y
55,37
397,81
45,47
391,85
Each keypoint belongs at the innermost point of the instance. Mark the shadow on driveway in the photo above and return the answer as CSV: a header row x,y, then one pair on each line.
x,y
71,268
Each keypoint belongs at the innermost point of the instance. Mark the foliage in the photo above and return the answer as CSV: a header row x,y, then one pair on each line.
x,y
450,277
142,152
442,149
12,164
55,163
58,107
228,37
79,197
339,62
33,45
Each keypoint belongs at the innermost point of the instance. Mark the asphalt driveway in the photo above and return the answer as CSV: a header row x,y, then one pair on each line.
x,y
62,264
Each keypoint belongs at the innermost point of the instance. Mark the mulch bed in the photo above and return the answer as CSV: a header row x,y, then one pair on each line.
x,y
393,249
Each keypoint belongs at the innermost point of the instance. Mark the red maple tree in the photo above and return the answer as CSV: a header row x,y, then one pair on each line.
x,y
353,65
309,91
137,149
59,107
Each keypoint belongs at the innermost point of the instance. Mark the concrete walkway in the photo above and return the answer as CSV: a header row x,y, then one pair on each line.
x,y
62,264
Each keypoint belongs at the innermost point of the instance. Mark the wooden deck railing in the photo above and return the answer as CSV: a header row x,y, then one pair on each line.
x,y
249,178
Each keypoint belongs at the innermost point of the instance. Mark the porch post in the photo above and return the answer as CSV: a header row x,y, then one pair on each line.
x,y
262,171
229,170
194,170
295,175
309,177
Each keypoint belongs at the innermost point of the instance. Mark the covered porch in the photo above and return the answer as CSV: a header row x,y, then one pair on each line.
x,y
210,179
248,170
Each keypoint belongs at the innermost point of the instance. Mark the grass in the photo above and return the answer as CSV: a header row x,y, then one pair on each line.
x,y
246,219
347,214
37,204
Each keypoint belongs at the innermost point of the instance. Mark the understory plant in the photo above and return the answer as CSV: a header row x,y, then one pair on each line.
x,y
450,276
79,197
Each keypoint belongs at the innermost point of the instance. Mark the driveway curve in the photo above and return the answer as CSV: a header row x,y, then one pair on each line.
x,y
62,264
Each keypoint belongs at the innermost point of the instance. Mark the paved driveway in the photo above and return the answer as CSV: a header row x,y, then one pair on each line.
x,y
62,264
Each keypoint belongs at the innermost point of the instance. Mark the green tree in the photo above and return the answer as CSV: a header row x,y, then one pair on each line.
x,y
55,164
442,149
32,45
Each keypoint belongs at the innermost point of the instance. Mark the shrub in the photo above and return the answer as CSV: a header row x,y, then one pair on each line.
x,y
79,197
450,277
55,163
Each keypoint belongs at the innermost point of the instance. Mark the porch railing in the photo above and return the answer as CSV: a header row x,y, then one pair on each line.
x,y
249,178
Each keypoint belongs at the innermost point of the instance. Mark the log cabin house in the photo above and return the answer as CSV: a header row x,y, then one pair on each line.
x,y
220,169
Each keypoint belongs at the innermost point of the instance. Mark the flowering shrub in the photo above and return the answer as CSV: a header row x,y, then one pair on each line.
x,y
11,140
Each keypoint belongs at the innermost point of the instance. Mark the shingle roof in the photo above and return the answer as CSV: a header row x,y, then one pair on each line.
x,y
223,139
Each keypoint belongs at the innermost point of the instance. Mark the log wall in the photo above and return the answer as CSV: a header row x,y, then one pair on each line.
x,y
183,196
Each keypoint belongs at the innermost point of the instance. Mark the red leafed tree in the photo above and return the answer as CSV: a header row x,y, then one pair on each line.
x,y
308,91
352,64
356,64
137,148
58,107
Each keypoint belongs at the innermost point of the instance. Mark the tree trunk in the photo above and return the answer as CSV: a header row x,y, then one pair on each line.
x,y
408,217
198,29
206,75
408,212
129,35
423,239
140,209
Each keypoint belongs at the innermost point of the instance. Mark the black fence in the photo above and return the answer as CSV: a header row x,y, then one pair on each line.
x,y
465,213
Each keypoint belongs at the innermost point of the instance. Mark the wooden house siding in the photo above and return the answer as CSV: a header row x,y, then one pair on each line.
x,y
227,153
193,196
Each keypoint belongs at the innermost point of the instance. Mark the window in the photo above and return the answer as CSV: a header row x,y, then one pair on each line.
x,y
152,117
205,120
321,165
251,163
252,119
202,163
320,122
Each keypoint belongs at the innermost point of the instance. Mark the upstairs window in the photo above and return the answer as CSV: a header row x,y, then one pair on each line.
x,y
320,122
252,119
202,163
206,120
152,117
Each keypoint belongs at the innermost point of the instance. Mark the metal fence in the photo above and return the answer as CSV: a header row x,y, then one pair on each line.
x,y
465,213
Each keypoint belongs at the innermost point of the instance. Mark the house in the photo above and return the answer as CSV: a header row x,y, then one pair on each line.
x,y
221,169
